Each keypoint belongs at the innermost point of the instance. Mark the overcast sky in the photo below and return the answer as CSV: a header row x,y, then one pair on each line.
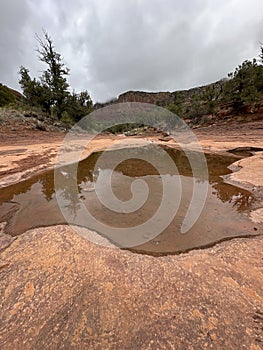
x,y
112,46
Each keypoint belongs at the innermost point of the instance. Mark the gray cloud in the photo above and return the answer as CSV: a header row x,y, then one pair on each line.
x,y
114,46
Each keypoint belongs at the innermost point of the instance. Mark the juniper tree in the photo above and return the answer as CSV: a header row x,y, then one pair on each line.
x,y
35,93
50,91
244,84
54,78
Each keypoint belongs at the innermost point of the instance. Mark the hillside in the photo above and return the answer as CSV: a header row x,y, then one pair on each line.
x,y
162,98
238,98
18,117
203,105
8,95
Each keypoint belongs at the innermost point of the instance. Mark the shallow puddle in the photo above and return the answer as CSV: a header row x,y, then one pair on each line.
x,y
32,203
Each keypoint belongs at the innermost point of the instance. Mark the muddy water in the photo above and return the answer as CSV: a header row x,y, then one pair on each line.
x,y
33,203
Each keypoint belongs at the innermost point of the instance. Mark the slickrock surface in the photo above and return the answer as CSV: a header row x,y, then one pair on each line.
x,y
59,291
25,154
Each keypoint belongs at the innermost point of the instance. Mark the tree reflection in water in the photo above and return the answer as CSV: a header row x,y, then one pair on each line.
x,y
43,185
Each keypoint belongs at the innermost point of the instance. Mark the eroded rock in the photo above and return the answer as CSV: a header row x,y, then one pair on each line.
x,y
58,290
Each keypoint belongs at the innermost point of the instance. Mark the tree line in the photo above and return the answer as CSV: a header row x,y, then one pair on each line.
x,y
50,92
243,87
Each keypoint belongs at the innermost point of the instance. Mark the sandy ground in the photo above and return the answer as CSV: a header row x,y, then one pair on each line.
x,y
59,291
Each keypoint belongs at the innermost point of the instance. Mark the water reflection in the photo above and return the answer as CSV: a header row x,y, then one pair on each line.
x,y
37,204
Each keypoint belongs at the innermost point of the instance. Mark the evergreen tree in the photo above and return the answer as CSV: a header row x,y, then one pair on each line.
x,y
50,91
177,107
197,107
54,78
35,93
210,97
78,105
244,84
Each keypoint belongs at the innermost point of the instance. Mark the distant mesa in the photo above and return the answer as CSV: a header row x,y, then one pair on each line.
x,y
161,99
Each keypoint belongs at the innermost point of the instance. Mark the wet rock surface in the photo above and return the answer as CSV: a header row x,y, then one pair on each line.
x,y
59,291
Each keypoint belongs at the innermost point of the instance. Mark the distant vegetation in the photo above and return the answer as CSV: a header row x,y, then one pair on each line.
x,y
245,85
240,93
50,94
242,88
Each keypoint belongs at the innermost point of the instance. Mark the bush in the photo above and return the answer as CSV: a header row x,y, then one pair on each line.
x,y
66,118
244,85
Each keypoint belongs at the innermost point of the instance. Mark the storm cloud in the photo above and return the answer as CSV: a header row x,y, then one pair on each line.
x,y
112,46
